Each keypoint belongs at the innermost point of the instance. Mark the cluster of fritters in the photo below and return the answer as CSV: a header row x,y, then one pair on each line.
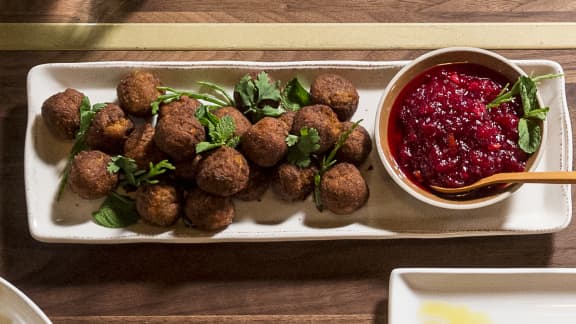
x,y
202,187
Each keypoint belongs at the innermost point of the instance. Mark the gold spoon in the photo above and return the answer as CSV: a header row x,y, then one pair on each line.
x,y
555,177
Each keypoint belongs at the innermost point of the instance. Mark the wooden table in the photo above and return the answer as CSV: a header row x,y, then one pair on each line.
x,y
285,282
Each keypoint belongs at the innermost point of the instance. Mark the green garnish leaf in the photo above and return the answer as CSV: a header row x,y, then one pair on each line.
x,y
267,90
220,131
538,113
257,96
218,89
154,171
328,161
529,132
173,95
87,113
291,140
307,143
132,175
295,96
116,211
529,135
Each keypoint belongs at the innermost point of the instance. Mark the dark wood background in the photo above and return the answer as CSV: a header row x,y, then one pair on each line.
x,y
300,282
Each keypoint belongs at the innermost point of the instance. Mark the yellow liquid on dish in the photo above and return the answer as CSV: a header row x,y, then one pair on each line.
x,y
436,312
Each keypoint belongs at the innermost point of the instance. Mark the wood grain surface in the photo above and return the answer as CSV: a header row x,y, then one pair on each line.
x,y
282,282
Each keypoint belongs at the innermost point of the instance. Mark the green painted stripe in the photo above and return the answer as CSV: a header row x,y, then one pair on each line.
x,y
289,36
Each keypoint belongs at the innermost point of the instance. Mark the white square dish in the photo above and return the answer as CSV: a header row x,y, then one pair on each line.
x,y
482,296
389,213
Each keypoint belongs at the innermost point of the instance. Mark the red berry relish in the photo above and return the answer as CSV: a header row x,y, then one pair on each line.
x,y
442,134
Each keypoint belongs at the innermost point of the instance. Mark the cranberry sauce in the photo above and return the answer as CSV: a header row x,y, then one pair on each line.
x,y
442,134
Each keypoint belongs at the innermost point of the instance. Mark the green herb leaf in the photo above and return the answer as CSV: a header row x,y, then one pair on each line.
x,y
527,88
318,192
220,90
247,91
291,140
328,161
128,167
132,175
307,143
529,135
154,171
267,90
116,211
173,95
295,96
220,131
538,113
206,146
257,94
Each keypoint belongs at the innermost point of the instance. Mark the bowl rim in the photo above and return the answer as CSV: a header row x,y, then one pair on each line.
x,y
402,180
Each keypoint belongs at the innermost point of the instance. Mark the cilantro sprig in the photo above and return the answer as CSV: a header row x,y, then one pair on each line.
x,y
529,131
220,130
300,148
87,113
327,162
172,95
133,176
259,95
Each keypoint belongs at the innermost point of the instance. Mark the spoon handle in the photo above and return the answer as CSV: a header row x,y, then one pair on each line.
x,y
553,177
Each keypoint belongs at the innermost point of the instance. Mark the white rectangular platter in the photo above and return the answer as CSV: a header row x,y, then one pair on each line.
x,y
482,296
389,213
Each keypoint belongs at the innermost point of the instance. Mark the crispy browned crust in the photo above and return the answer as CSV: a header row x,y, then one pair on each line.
x,y
292,183
178,134
89,177
264,143
158,204
343,189
136,91
140,146
208,212
61,113
183,106
258,182
109,130
337,92
223,172
357,146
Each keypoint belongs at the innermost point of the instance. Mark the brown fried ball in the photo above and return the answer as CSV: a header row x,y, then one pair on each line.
x,y
61,113
186,170
208,212
265,142
258,183
183,106
136,91
240,121
158,204
292,183
140,146
337,92
178,134
343,189
288,118
357,146
323,119
89,176
109,130
223,172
